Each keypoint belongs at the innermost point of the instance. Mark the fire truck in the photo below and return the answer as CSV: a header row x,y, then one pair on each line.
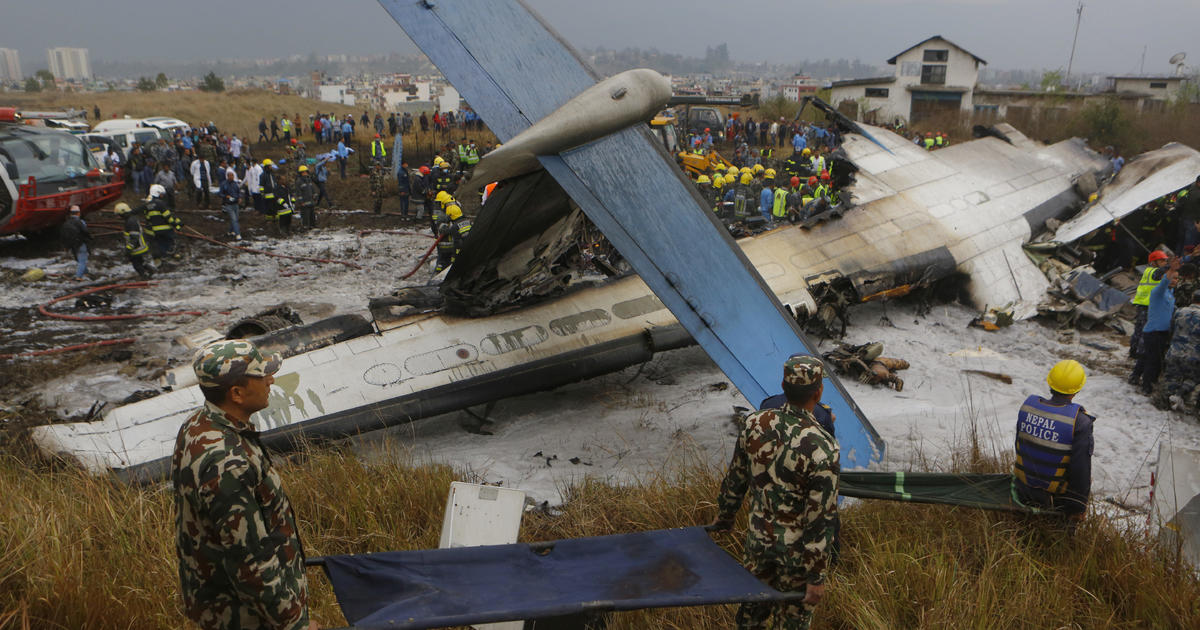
x,y
44,171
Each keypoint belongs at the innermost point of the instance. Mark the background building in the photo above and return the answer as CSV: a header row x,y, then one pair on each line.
x,y
932,78
71,64
10,65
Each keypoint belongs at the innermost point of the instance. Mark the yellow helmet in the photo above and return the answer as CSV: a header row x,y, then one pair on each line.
x,y
733,171
267,162
747,178
122,208
770,174
302,169
453,211
806,152
745,169
1066,377
758,168
718,181
444,197
703,179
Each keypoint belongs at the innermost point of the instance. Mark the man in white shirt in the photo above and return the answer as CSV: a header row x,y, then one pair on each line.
x,y
235,147
201,180
253,174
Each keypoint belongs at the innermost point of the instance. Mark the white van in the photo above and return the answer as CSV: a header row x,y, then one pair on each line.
x,y
125,138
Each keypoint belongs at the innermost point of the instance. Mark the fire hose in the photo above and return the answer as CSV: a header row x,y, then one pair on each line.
x,y
78,346
44,309
424,258
197,235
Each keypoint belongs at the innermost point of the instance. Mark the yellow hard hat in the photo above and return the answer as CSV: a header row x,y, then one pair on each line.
x,y
122,208
1066,377
267,162
733,171
806,152
747,178
770,174
745,169
718,181
453,211
703,179
758,168
302,169
444,197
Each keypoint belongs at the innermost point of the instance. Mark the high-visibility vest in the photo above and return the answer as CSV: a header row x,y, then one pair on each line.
x,y
779,207
1146,285
285,124
1045,434
929,143
377,149
472,156
158,217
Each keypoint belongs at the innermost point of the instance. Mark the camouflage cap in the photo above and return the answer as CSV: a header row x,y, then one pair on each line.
x,y
803,370
227,361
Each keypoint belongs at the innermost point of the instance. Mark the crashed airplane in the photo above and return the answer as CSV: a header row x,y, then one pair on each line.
x,y
511,317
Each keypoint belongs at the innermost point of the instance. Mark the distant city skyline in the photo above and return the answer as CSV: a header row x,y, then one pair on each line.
x,y
1009,34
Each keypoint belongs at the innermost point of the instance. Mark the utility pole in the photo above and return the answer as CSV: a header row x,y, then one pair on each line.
x,y
1075,40
1142,68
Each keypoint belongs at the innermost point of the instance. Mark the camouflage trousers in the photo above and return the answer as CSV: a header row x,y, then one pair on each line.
x,y
782,574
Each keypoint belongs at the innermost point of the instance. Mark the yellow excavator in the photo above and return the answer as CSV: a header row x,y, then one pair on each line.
x,y
699,114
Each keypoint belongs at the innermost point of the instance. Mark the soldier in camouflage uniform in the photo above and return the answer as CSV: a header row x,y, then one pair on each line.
x,y
1180,384
241,564
376,183
790,466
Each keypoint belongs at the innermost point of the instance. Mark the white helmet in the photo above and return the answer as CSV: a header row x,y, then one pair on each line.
x,y
156,190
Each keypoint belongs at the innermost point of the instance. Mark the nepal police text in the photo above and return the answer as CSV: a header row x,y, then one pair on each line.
x,y
1040,428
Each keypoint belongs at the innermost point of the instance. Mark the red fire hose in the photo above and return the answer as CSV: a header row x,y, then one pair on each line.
x,y
194,234
44,309
424,258
78,346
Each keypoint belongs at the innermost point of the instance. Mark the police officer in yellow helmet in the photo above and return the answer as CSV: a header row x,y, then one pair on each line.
x,y
1053,468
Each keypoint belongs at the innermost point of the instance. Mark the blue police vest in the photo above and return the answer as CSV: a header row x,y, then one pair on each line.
x,y
1045,433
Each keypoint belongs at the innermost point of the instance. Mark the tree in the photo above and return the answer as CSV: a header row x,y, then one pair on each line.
x,y
145,85
32,85
161,81
1104,122
46,77
212,83
1051,80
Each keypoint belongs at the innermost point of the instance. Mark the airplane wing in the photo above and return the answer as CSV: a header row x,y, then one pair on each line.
x,y
1150,176
514,71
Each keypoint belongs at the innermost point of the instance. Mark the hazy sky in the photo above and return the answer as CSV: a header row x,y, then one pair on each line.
x,y
1009,34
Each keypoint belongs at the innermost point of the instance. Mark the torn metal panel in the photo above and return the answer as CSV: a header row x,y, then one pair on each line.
x,y
1175,504
1143,179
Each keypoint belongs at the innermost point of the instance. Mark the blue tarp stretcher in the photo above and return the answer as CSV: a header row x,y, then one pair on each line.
x,y
471,585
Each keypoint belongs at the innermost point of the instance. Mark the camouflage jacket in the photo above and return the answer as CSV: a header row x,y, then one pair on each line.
x,y
789,464
241,564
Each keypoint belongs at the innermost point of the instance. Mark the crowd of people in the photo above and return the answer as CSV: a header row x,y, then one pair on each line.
x,y
758,181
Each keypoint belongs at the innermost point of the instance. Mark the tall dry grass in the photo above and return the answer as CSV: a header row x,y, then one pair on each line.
x,y
78,551
234,111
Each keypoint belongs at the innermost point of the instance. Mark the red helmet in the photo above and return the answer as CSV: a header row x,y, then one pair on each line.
x,y
293,141
1157,255
706,130
795,181
424,170
376,135
812,181
824,174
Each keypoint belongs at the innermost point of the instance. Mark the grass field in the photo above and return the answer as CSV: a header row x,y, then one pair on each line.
x,y
78,551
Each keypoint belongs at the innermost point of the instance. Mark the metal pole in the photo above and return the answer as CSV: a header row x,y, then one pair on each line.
x,y
1075,40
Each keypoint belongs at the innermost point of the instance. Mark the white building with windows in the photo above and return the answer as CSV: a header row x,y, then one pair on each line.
x,y
71,64
339,94
932,78
1157,88
10,65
